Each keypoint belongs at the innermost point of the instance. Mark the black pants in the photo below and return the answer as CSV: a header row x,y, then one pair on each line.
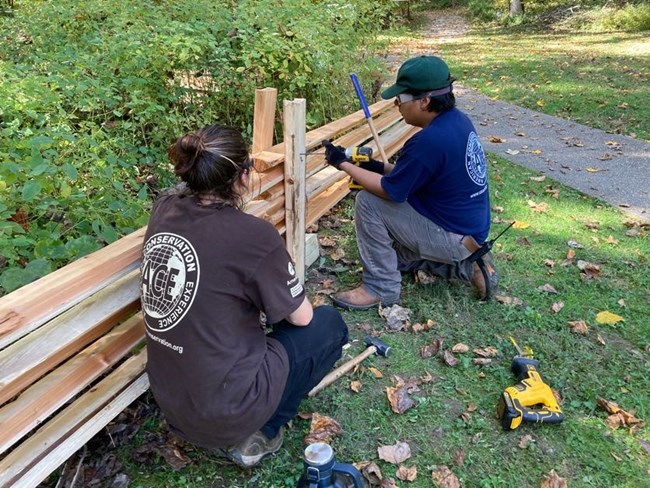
x,y
312,352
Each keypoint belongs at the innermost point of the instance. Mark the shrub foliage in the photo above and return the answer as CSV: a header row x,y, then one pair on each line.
x,y
94,92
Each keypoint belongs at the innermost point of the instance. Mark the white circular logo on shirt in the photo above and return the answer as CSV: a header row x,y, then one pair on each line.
x,y
170,278
475,160
291,269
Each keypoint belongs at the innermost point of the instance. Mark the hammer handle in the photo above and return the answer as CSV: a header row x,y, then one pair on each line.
x,y
341,370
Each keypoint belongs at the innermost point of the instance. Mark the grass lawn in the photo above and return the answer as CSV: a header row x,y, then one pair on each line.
x,y
569,259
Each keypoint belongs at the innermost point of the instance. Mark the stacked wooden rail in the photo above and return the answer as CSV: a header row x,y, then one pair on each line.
x,y
71,343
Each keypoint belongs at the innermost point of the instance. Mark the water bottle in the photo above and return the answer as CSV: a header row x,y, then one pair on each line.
x,y
321,471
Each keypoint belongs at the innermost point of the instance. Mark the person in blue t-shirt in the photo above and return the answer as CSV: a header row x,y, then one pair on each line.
x,y
430,210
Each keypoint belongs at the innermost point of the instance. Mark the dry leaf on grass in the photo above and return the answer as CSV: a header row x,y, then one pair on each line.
x,y
398,396
375,372
486,352
323,429
538,207
460,348
444,478
600,339
619,417
460,457
396,316
370,471
326,241
519,224
355,386
610,318
424,278
589,270
482,361
578,327
552,480
547,288
450,359
388,483
557,306
418,327
395,454
525,441
509,301
407,474
432,349
337,254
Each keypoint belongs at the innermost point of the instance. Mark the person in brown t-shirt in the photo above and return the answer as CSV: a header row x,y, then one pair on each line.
x,y
212,276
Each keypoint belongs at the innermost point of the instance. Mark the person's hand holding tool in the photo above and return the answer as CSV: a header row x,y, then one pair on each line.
x,y
334,155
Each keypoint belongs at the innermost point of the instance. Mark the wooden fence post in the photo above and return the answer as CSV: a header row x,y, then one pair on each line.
x,y
264,118
295,187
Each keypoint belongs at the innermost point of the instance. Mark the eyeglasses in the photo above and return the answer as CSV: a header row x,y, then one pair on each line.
x,y
407,97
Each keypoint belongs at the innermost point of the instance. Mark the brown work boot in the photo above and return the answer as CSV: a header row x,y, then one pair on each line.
x,y
357,299
250,451
485,278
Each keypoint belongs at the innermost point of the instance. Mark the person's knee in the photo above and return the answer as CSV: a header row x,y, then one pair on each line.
x,y
329,317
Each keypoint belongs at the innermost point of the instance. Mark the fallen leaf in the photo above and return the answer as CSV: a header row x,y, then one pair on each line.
x,y
621,302
557,306
541,103
632,233
460,348
396,316
578,327
326,241
589,270
600,339
424,278
486,352
547,288
370,471
525,441
407,474
375,372
399,399
395,454
520,134
520,224
595,170
552,480
355,386
433,348
538,178
444,478
536,151
337,254
538,207
512,152
418,327
322,429
619,416
574,245
426,377
610,318
450,360
481,361
388,483
523,241
173,456
496,139
549,262
510,301
611,240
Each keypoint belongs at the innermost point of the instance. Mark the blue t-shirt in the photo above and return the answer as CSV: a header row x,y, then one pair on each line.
x,y
442,173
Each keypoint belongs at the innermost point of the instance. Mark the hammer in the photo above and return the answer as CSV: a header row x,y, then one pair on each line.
x,y
374,346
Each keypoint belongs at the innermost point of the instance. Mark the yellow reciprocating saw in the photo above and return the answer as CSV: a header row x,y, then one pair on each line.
x,y
530,400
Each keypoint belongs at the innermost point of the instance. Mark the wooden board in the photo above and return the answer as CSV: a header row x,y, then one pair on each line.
x,y
28,359
34,304
41,453
46,396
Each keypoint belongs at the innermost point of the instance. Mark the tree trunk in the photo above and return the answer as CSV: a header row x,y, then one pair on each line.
x,y
516,8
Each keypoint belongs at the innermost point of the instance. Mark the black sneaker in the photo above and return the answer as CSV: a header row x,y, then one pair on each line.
x,y
250,451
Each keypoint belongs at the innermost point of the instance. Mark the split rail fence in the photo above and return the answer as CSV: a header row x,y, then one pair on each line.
x,y
71,343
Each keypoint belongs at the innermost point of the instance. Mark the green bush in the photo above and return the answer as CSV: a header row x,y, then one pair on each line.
x,y
631,18
94,92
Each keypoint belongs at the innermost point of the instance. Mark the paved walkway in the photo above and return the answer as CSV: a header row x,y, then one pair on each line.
x,y
611,167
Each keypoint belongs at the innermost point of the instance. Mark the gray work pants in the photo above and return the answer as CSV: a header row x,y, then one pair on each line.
x,y
394,237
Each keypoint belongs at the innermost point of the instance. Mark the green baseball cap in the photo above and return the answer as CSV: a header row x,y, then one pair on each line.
x,y
420,74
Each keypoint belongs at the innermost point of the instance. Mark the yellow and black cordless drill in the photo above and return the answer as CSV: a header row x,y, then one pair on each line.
x,y
530,400
357,155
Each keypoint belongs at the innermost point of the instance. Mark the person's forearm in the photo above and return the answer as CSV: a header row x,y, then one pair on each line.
x,y
369,180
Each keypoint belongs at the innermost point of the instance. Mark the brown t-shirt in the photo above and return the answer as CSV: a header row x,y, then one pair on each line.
x,y
207,273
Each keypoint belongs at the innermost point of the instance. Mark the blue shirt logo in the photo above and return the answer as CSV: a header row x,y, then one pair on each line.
x,y
475,160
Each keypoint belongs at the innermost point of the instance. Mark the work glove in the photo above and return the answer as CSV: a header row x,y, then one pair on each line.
x,y
334,155
374,166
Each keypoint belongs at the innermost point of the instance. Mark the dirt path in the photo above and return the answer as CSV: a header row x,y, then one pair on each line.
x,y
611,167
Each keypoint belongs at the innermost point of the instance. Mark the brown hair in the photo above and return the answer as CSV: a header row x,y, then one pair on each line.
x,y
211,160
